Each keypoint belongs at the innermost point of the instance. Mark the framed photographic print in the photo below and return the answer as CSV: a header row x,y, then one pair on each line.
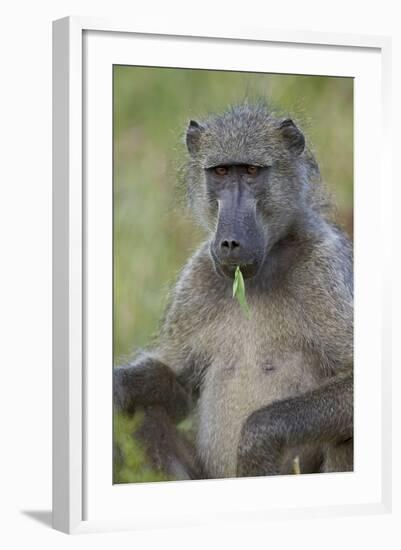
x,y
212,361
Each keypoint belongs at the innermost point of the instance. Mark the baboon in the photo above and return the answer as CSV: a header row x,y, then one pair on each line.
x,y
278,385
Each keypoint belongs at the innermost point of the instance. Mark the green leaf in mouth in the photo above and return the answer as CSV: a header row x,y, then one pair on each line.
x,y
239,292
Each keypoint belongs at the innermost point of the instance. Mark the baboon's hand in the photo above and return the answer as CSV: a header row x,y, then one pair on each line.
x,y
149,383
261,444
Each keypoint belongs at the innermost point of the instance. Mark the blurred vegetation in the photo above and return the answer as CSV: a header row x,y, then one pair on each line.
x,y
129,458
153,235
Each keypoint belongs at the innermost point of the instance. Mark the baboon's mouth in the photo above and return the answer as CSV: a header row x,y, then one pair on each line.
x,y
227,270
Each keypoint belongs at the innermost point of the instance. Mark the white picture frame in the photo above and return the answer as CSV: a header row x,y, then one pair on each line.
x,y
84,498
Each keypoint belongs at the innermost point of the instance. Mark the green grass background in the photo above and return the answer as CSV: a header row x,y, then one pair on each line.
x,y
153,235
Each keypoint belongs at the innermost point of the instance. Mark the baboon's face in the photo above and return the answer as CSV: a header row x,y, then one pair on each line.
x,y
240,237
245,184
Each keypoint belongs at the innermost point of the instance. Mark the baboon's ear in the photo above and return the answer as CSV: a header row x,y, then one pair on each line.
x,y
293,136
194,132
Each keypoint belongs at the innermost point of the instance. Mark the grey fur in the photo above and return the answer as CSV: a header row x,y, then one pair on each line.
x,y
280,384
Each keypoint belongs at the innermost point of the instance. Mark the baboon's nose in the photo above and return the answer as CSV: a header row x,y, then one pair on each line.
x,y
230,250
228,246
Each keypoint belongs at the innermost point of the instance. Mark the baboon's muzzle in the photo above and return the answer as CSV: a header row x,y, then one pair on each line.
x,y
238,240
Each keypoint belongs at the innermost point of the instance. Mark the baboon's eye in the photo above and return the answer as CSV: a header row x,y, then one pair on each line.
x,y
252,170
221,170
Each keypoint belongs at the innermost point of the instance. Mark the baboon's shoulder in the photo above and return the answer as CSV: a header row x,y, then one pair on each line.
x,y
197,290
333,259
323,283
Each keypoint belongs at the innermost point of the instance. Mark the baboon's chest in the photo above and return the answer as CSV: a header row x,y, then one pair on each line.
x,y
252,366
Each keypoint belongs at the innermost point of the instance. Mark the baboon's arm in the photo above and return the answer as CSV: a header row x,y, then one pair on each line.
x,y
150,386
167,448
168,375
324,415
